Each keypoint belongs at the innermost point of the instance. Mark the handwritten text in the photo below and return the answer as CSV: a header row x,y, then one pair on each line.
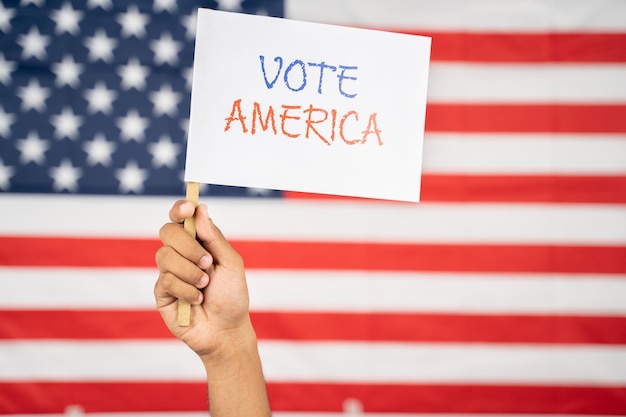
x,y
309,121
296,74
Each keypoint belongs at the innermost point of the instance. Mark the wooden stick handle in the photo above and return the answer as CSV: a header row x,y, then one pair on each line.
x,y
193,193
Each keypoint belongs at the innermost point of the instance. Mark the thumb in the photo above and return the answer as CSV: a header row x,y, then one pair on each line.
x,y
213,240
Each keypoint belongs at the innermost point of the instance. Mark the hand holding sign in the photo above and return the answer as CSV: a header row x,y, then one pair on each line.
x,y
307,107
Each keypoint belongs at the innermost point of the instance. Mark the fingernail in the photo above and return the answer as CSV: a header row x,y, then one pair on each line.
x,y
205,262
187,206
204,280
200,297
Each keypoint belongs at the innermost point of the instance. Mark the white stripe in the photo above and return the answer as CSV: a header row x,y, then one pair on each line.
x,y
322,361
72,215
277,219
77,288
525,154
462,15
99,361
443,363
530,83
333,291
437,292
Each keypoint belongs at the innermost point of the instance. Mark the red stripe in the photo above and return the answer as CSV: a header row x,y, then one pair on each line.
x,y
53,397
524,189
440,328
82,324
77,252
526,47
425,257
87,252
531,118
511,189
324,326
451,399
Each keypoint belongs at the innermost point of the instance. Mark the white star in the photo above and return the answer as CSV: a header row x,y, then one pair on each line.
x,y
184,125
99,150
204,188
133,23
100,46
133,75
190,22
5,18
33,149
103,4
131,178
37,3
67,72
6,68
261,192
6,172
165,101
6,120
132,126
229,5
188,76
100,98
65,176
66,19
164,152
66,124
33,96
33,44
161,5
165,49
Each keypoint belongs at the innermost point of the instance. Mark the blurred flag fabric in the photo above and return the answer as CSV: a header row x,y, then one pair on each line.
x,y
503,292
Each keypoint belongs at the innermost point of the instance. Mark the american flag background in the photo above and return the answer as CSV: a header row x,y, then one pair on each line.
x,y
502,293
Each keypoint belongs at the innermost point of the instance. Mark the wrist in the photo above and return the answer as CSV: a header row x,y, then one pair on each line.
x,y
235,375
232,345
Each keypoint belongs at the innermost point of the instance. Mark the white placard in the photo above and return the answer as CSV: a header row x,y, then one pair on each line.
x,y
302,106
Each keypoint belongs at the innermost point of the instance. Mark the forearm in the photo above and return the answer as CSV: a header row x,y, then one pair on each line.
x,y
235,378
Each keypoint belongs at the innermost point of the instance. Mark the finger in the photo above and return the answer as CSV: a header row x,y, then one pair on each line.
x,y
170,261
181,210
213,240
175,237
169,287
